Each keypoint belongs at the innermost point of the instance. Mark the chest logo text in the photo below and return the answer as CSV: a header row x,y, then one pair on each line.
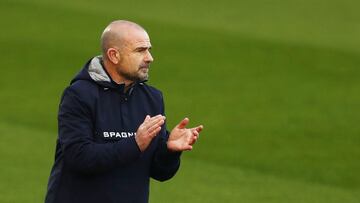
x,y
118,134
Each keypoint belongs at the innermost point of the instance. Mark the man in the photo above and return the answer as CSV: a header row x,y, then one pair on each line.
x,y
112,133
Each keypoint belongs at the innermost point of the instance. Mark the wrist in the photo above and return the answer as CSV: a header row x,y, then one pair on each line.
x,y
139,144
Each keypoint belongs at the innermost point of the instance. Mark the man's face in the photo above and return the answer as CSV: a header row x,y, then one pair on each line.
x,y
135,57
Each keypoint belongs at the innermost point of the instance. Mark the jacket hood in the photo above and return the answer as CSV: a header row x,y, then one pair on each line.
x,y
94,71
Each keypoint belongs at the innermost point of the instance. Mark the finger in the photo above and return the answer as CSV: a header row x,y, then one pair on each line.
x,y
183,123
147,117
199,128
154,120
188,148
185,147
155,126
193,140
155,132
159,121
195,133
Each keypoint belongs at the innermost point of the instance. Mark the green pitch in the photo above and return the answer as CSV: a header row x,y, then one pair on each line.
x,y
275,83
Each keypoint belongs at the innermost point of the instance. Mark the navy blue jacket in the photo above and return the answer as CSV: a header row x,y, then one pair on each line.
x,y
97,158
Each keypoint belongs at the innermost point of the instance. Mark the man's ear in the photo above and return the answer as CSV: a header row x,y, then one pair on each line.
x,y
113,55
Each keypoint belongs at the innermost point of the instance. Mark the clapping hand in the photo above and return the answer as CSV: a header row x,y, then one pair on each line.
x,y
182,138
148,130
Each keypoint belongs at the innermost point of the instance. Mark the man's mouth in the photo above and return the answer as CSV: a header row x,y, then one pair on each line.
x,y
147,66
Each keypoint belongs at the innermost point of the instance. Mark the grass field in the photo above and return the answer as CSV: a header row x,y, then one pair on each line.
x,y
275,83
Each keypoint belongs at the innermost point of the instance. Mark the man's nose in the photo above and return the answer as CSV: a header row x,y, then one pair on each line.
x,y
148,57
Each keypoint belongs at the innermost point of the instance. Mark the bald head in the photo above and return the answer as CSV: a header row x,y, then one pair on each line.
x,y
117,33
126,51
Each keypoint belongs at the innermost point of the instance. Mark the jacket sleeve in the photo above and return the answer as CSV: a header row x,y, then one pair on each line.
x,y
76,137
165,163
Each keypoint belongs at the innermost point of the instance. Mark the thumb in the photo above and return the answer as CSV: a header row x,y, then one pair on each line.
x,y
183,123
147,118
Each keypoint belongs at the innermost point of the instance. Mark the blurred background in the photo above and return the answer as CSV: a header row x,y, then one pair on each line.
x,y
275,83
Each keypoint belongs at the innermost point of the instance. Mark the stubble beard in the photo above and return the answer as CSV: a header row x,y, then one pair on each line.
x,y
140,75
